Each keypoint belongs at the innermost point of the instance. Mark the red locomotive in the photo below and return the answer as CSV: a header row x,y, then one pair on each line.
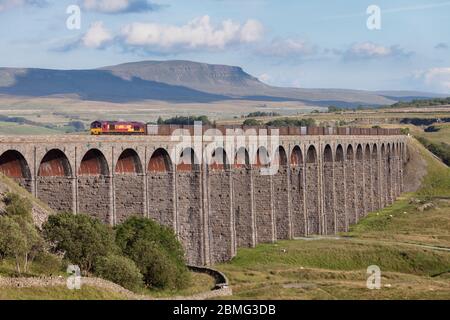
x,y
118,127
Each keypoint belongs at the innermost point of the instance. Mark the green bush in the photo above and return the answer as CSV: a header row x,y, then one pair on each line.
x,y
18,206
252,122
155,250
47,263
80,237
120,270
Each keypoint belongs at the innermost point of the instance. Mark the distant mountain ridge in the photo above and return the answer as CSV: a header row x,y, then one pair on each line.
x,y
177,81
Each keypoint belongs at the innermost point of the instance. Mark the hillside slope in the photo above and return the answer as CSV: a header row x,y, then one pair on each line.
x,y
173,81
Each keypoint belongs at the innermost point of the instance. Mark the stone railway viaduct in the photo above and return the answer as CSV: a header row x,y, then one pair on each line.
x,y
323,184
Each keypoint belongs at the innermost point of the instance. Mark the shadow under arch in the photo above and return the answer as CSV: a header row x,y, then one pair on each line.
x,y
129,162
160,161
93,163
55,164
14,165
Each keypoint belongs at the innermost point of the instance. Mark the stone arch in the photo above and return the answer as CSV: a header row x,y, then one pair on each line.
x,y
129,162
160,191
242,158
220,238
375,178
93,163
327,154
368,184
218,160
189,205
297,185
367,152
54,164
94,186
263,198
359,152
160,161
262,158
329,212
350,154
14,165
296,157
55,185
311,155
351,212
359,178
281,195
383,176
389,173
312,190
340,190
280,156
339,153
243,199
188,161
128,186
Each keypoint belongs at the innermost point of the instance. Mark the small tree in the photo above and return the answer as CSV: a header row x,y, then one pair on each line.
x,y
18,235
82,238
155,250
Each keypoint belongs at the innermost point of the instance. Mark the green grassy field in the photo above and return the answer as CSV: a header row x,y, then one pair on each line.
x,y
11,128
335,268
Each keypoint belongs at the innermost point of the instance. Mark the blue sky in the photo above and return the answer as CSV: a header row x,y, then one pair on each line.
x,y
318,43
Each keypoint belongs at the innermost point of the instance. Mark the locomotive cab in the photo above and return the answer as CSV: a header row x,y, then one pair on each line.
x,y
96,128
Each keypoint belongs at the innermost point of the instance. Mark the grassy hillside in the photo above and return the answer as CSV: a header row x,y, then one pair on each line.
x,y
58,293
395,239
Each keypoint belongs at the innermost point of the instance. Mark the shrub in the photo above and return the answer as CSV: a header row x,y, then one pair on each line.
x,y
120,270
47,263
155,250
252,122
81,238
18,206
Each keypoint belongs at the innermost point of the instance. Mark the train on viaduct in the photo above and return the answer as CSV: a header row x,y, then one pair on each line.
x,y
325,181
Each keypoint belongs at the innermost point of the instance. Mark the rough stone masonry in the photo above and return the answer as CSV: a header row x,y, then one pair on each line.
x,y
323,184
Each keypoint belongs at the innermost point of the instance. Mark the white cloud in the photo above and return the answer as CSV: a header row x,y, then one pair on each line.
x,y
287,47
370,50
96,36
436,78
10,4
199,33
119,6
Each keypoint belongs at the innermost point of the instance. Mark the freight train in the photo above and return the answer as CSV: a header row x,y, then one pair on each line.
x,y
140,128
118,127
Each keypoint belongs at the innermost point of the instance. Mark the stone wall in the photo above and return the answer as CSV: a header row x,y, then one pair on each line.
x,y
161,197
129,196
340,203
281,203
297,189
94,196
57,192
189,216
221,244
243,207
263,195
312,199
